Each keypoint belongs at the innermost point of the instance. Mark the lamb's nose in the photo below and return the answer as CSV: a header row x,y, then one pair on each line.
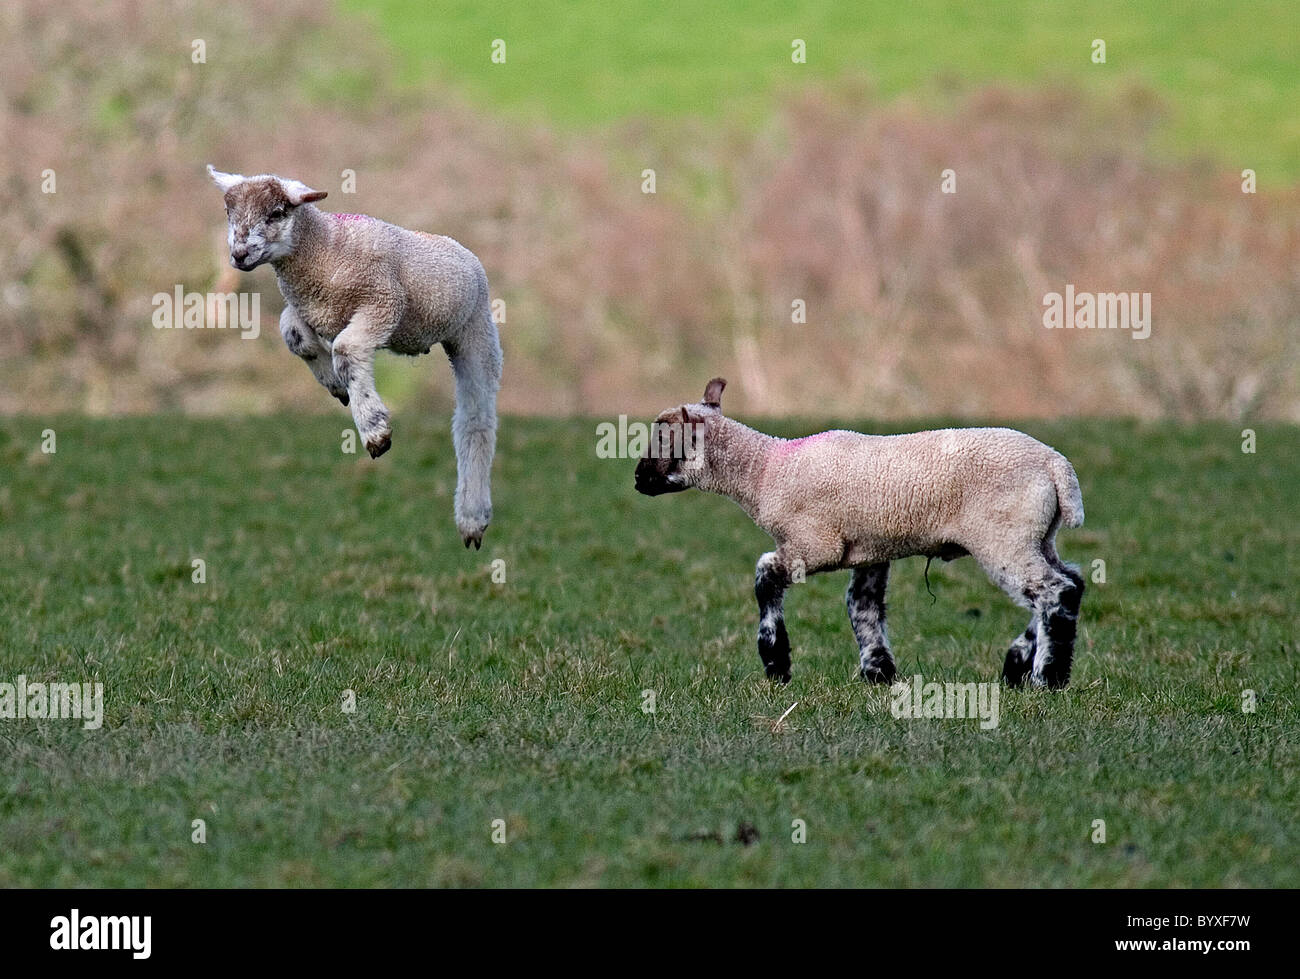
x,y
239,254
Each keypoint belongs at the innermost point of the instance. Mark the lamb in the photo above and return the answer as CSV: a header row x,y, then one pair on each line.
x,y
845,500
353,284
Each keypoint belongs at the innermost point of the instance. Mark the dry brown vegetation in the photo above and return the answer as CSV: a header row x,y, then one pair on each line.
x,y
617,301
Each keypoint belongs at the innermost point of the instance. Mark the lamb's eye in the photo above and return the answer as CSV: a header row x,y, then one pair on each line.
x,y
277,214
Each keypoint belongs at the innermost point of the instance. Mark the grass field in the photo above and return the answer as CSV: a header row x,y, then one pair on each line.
x,y
522,700
1225,72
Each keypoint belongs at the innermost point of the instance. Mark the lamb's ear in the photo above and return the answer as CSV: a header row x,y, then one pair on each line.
x,y
713,392
223,180
299,193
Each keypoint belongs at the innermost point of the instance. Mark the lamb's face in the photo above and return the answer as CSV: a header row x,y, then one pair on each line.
x,y
259,216
260,222
675,454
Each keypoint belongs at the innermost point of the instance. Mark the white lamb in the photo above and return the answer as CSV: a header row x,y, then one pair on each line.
x,y
845,500
353,284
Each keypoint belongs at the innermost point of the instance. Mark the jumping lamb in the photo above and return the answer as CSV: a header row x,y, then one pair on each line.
x,y
353,284
845,500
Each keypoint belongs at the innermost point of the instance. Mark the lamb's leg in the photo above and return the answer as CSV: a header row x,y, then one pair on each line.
x,y
866,601
304,342
1035,577
354,362
771,579
1058,619
476,360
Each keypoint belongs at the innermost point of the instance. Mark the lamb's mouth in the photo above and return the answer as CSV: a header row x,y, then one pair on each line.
x,y
654,484
648,488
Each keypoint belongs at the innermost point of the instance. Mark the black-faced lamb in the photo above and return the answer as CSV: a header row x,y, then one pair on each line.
x,y
844,500
352,285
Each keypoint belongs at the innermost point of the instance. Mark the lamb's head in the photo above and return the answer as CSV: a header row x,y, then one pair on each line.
x,y
675,457
259,214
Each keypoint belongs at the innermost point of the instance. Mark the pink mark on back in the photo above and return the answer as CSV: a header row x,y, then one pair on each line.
x,y
352,217
794,445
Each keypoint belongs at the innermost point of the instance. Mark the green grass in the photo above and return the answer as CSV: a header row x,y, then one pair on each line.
x,y
1227,72
521,701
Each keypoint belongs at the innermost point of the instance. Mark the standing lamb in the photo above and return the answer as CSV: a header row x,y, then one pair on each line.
x,y
845,500
353,284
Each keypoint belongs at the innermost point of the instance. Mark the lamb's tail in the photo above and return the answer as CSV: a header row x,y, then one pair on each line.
x,y
1068,495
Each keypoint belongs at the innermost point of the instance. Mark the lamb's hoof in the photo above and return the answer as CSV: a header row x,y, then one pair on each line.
x,y
1053,677
781,674
1014,670
472,522
379,446
472,533
878,672
343,397
877,665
